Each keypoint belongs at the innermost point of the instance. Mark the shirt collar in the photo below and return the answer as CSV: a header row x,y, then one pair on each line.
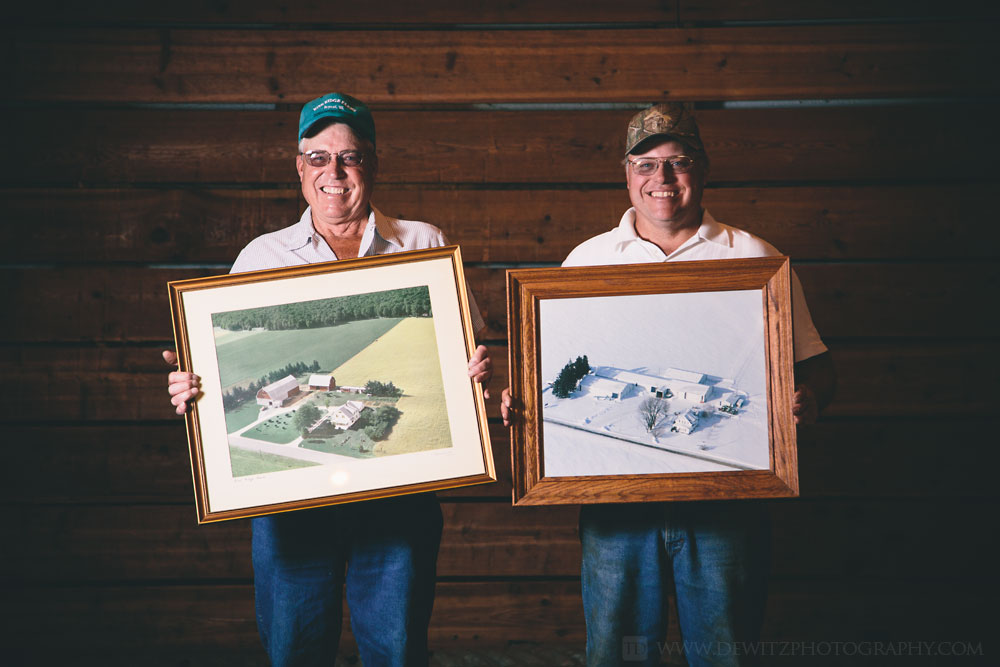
x,y
709,231
386,231
303,232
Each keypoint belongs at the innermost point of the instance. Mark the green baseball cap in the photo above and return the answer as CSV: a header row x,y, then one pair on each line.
x,y
341,108
670,119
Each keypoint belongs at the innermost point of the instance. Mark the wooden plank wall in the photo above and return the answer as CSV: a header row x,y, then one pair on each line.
x,y
148,143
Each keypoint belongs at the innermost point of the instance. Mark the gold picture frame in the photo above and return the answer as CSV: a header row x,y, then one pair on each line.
x,y
677,383
330,383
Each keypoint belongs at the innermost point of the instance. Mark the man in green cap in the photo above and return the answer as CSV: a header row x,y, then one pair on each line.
x,y
714,555
383,551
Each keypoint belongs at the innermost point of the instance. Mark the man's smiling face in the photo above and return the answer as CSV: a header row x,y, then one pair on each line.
x,y
337,194
665,200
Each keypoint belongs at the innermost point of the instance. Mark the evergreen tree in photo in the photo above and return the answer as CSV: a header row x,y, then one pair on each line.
x,y
570,375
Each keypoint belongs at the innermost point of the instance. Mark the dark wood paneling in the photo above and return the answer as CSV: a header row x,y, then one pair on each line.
x,y
511,225
850,10
818,539
855,144
107,550
918,300
144,622
861,458
813,61
893,378
342,14
473,12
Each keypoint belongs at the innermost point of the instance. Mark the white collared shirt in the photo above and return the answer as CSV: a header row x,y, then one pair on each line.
x,y
302,244
713,240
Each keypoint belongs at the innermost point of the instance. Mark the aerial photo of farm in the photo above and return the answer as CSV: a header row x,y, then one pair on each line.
x,y
661,383
307,383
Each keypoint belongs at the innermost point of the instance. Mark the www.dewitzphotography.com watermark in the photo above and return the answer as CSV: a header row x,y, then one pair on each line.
x,y
636,649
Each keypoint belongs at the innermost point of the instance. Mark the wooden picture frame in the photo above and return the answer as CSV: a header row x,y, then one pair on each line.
x,y
644,346
389,410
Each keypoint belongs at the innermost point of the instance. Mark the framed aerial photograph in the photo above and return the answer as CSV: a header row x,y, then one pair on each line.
x,y
652,382
330,383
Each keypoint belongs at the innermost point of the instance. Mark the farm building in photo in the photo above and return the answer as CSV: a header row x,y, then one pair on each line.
x,y
605,389
686,423
322,382
344,416
687,385
694,392
732,400
275,394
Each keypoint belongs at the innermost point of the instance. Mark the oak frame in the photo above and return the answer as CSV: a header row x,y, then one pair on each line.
x,y
438,268
527,287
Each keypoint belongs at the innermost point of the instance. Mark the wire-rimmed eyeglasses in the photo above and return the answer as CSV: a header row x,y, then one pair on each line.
x,y
351,159
647,166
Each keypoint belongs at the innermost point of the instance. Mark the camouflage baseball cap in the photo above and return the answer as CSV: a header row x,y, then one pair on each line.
x,y
670,119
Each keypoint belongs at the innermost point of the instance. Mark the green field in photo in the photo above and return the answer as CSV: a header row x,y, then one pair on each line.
x,y
345,443
247,356
242,416
253,463
279,430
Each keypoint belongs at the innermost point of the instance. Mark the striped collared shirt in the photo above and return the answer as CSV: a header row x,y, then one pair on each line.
x,y
302,244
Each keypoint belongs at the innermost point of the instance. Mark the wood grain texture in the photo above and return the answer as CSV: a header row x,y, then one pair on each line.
x,y
388,13
816,539
860,458
852,10
65,383
204,225
104,197
177,65
853,144
433,12
141,622
871,300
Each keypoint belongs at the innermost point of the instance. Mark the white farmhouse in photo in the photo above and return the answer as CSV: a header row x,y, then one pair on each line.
x,y
276,393
686,422
344,416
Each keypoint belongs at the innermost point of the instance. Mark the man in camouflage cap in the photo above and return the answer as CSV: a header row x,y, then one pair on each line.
x,y
714,555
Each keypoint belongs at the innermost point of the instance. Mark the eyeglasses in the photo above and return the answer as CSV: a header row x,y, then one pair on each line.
x,y
647,166
351,159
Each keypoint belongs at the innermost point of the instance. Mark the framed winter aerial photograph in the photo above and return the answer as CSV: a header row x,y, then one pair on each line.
x,y
330,383
652,382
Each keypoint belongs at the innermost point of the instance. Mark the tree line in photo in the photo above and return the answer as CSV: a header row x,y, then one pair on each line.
x,y
387,389
240,395
404,302
570,376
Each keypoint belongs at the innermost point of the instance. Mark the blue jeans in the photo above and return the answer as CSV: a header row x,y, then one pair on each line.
x,y
385,551
715,555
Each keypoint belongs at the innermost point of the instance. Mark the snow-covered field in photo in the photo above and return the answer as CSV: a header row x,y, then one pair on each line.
x,y
718,334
